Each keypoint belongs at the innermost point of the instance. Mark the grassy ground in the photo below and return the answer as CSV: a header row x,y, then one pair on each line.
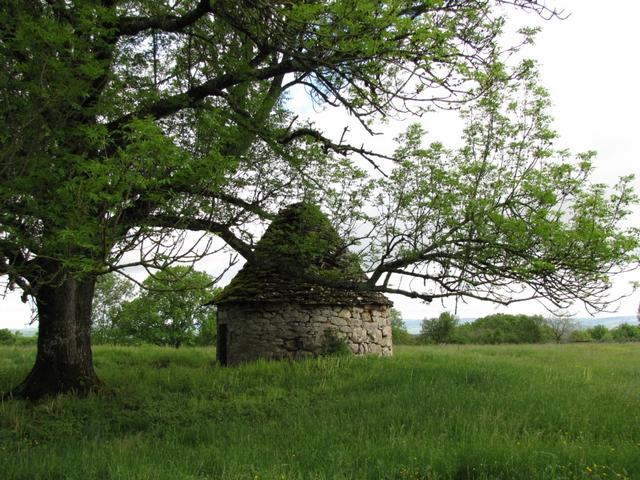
x,y
506,412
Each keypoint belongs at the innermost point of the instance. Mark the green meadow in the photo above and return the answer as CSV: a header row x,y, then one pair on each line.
x,y
430,412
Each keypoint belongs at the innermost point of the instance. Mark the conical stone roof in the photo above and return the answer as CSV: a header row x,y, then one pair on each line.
x,y
300,259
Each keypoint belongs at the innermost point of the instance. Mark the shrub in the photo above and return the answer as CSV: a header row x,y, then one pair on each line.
x,y
625,333
22,340
580,336
7,337
333,345
598,333
439,330
463,334
402,337
506,328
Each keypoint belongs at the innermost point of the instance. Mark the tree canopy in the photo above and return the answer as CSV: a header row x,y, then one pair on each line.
x,y
505,217
440,329
171,310
126,124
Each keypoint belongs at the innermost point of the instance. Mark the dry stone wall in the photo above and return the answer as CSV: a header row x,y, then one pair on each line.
x,y
276,331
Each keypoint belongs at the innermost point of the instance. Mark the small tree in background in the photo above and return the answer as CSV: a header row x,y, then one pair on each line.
x,y
396,319
112,292
171,310
561,326
438,330
400,334
598,333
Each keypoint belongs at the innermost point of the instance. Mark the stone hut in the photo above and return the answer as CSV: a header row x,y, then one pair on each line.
x,y
285,303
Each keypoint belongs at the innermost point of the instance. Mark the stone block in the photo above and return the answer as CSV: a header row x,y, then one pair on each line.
x,y
356,321
370,326
359,334
338,321
377,336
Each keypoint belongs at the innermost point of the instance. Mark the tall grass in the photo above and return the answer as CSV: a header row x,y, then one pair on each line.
x,y
507,412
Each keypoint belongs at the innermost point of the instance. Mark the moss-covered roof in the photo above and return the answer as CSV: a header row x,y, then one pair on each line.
x,y
300,258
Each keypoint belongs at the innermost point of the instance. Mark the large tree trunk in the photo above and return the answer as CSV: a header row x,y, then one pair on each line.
x,y
64,362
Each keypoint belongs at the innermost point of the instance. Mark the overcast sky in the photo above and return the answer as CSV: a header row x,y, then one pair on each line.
x,y
589,64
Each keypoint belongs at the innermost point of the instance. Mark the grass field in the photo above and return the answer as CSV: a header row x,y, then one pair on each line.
x,y
510,412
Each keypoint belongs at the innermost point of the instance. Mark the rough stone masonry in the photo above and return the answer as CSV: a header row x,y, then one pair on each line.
x,y
276,331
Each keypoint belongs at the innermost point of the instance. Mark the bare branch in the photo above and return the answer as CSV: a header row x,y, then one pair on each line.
x,y
223,231
339,148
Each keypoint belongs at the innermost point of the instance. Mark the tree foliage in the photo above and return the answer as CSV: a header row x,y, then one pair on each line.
x,y
440,329
399,333
505,217
598,332
170,310
97,92
504,328
625,333
7,337
116,86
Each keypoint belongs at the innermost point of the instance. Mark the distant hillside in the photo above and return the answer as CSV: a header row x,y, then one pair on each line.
x,y
27,332
608,322
413,325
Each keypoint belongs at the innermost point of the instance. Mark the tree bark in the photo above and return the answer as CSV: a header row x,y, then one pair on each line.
x,y
64,362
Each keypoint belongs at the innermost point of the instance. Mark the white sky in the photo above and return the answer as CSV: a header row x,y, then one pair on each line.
x,y
587,63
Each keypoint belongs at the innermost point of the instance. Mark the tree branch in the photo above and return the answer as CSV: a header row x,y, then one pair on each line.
x,y
203,225
339,148
167,23
19,260
174,103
